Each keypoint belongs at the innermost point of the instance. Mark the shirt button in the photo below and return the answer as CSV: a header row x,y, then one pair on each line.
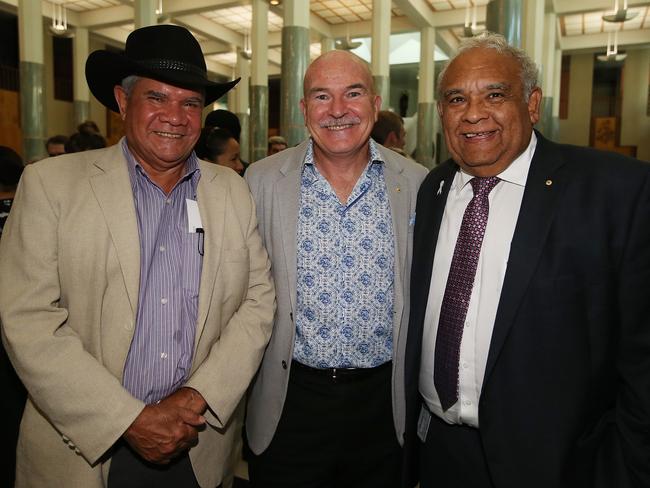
x,y
284,365
163,355
168,201
161,248
466,324
467,403
465,365
163,301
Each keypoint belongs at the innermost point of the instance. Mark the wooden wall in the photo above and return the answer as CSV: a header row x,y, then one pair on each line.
x,y
10,132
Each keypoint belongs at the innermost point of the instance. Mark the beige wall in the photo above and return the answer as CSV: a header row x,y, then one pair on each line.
x,y
635,122
575,128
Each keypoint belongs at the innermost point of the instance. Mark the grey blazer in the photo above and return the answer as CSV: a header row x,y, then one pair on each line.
x,y
275,185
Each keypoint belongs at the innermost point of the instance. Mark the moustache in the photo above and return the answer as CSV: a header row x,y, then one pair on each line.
x,y
349,120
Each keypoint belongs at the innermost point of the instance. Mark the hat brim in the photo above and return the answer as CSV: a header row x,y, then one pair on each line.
x,y
105,69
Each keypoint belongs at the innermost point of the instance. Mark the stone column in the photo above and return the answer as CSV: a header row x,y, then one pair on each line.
x,y
144,13
547,75
295,58
242,107
327,44
32,81
505,17
381,49
259,90
426,99
81,90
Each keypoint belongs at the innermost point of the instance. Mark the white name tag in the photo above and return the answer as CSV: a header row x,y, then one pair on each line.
x,y
193,216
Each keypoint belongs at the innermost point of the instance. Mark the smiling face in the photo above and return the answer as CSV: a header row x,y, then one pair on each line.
x,y
486,118
162,123
339,106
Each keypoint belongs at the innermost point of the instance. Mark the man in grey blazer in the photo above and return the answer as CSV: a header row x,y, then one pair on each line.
x,y
336,215
135,294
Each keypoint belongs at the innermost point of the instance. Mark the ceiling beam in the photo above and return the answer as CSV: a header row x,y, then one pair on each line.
x,y
599,41
105,17
184,7
211,30
418,11
564,7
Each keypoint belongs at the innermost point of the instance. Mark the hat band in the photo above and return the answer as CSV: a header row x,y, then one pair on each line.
x,y
169,64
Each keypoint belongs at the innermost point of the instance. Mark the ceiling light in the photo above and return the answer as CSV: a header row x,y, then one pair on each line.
x,y
620,14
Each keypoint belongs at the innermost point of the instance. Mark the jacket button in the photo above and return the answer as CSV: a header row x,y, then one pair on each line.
x,y
284,365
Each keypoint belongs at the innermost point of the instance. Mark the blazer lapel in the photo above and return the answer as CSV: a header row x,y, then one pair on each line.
x,y
211,196
431,207
399,198
544,187
287,191
112,188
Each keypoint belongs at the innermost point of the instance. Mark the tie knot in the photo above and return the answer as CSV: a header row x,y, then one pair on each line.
x,y
483,186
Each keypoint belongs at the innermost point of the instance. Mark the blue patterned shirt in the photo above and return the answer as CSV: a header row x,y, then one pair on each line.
x,y
345,271
160,356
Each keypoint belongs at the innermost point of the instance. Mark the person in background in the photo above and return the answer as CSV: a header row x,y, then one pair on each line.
x,y
219,146
135,293
276,144
528,351
224,119
13,391
389,130
55,145
336,213
84,140
11,167
88,126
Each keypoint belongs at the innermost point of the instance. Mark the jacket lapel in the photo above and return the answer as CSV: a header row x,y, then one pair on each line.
x,y
432,198
211,196
544,187
287,193
111,185
399,198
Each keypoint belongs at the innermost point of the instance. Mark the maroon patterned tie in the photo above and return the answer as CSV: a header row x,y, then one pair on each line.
x,y
459,290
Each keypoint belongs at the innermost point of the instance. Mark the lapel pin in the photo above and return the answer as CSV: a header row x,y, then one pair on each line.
x,y
548,182
397,188
442,183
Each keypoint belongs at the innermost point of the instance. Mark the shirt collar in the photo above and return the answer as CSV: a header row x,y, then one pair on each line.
x,y
135,168
375,156
516,173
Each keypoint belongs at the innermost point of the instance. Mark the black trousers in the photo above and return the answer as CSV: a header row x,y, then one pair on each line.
x,y
453,457
333,433
129,470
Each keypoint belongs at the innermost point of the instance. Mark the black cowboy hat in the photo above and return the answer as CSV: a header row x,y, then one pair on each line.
x,y
164,52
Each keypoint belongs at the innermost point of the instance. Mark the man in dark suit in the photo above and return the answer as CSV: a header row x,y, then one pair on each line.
x,y
528,353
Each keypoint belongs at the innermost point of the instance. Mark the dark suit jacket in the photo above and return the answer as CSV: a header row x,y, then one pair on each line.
x,y
566,396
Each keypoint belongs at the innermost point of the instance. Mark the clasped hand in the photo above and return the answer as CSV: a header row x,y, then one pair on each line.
x,y
164,430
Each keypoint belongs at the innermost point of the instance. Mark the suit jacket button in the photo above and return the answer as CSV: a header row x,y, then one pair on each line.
x,y
284,365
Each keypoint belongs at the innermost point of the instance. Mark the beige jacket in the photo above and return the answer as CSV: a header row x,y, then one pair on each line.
x,y
69,272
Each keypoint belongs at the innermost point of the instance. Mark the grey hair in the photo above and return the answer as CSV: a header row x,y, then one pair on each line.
x,y
128,83
490,40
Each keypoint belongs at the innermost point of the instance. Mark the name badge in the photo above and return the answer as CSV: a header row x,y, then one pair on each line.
x,y
193,216
423,423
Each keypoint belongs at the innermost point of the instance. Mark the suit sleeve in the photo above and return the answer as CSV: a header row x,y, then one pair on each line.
x,y
77,395
233,360
633,404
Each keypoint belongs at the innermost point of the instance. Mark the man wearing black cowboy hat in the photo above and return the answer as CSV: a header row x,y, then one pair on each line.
x,y
135,292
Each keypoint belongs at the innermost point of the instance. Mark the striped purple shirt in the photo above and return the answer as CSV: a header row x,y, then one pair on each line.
x,y
160,356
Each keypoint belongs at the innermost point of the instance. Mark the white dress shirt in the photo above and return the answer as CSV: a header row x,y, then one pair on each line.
x,y
505,202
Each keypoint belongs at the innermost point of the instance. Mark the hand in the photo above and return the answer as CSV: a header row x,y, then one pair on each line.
x,y
187,398
164,430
